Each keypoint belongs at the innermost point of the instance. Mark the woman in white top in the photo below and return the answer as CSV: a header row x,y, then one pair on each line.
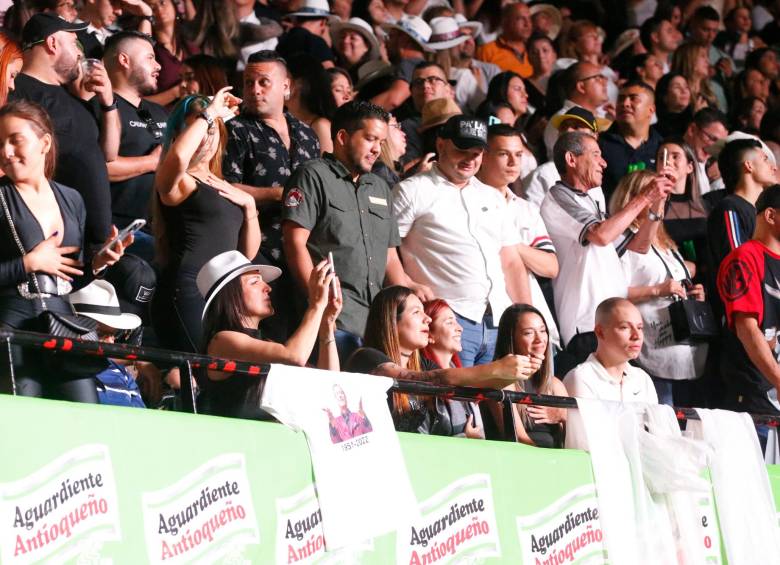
x,y
656,279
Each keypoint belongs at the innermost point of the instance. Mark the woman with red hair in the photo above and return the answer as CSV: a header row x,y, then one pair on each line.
x,y
10,65
442,349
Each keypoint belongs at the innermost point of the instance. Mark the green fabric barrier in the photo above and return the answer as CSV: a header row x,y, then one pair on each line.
x,y
107,482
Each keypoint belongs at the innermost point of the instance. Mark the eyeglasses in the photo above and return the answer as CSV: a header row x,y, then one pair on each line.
x,y
599,77
151,124
433,81
708,136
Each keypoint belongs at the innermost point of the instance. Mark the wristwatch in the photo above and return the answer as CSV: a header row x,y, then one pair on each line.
x,y
109,107
653,217
206,116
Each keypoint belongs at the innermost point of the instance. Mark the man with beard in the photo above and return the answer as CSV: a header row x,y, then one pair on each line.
x,y
132,68
51,61
265,144
458,238
336,205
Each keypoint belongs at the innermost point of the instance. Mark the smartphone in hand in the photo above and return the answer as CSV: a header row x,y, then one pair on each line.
x,y
133,227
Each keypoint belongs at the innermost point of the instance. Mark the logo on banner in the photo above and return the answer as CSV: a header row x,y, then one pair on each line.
x,y
65,508
205,516
457,522
566,531
299,537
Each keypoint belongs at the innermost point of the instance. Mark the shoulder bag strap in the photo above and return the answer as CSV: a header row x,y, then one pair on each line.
x,y
18,241
660,257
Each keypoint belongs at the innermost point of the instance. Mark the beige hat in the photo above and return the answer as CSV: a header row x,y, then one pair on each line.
x,y
624,41
372,70
362,27
553,13
436,112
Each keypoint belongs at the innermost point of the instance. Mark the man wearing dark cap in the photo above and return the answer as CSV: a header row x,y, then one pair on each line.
x,y
336,205
84,144
749,285
457,237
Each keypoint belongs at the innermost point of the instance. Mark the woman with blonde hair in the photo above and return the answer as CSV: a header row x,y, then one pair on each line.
x,y
692,61
197,214
10,65
656,280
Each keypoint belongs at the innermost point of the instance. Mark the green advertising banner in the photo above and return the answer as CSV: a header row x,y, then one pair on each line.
x,y
98,484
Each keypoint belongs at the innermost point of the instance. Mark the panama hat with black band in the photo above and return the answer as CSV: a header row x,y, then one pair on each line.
x,y
98,301
225,267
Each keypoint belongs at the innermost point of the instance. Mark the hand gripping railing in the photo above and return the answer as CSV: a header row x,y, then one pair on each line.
x,y
187,362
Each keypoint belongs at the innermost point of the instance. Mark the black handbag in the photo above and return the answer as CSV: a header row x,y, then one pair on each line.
x,y
693,321
71,326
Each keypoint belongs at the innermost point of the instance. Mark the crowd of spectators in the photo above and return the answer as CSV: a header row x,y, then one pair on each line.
x,y
472,192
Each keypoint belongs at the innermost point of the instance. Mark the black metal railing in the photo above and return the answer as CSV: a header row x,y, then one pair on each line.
x,y
187,362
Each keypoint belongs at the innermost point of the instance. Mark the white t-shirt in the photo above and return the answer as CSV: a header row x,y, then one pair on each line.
x,y
452,238
537,184
661,354
533,233
360,475
588,273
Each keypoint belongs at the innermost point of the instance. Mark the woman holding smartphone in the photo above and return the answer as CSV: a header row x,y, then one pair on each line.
x,y
46,220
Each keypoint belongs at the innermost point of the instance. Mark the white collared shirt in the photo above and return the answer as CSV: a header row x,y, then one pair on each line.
x,y
591,380
452,239
100,34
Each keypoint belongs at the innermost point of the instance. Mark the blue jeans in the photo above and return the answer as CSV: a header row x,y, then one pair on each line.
x,y
346,344
143,246
478,340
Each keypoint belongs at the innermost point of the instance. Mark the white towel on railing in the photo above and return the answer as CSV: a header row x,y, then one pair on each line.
x,y
746,508
645,482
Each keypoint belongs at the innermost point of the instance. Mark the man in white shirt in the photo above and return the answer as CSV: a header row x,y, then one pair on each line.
x,y
607,374
589,242
458,240
500,168
538,183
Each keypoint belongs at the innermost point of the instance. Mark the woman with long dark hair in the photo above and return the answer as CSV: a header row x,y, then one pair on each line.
x,y
42,258
397,330
202,74
237,298
197,214
311,98
674,104
522,330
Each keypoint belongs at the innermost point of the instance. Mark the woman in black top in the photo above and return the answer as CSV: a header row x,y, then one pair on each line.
x,y
397,330
674,104
198,215
523,330
48,219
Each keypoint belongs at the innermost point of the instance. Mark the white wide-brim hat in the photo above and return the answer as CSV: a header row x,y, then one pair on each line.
x,y
98,301
225,267
361,26
445,33
312,9
413,26
476,27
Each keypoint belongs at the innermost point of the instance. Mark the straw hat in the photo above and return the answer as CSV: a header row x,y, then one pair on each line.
x,y
413,26
98,301
582,115
360,26
554,14
436,112
225,267
624,41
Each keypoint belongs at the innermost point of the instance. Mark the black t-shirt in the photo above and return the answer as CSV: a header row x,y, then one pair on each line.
x,y
142,130
730,224
80,160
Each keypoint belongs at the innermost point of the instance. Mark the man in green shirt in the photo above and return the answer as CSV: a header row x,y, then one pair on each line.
x,y
336,205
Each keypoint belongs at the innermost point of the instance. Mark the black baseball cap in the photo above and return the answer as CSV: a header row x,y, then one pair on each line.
x,y
769,198
135,282
42,25
465,132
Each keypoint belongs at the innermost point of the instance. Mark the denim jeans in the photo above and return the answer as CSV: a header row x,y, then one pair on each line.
x,y
346,344
478,340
